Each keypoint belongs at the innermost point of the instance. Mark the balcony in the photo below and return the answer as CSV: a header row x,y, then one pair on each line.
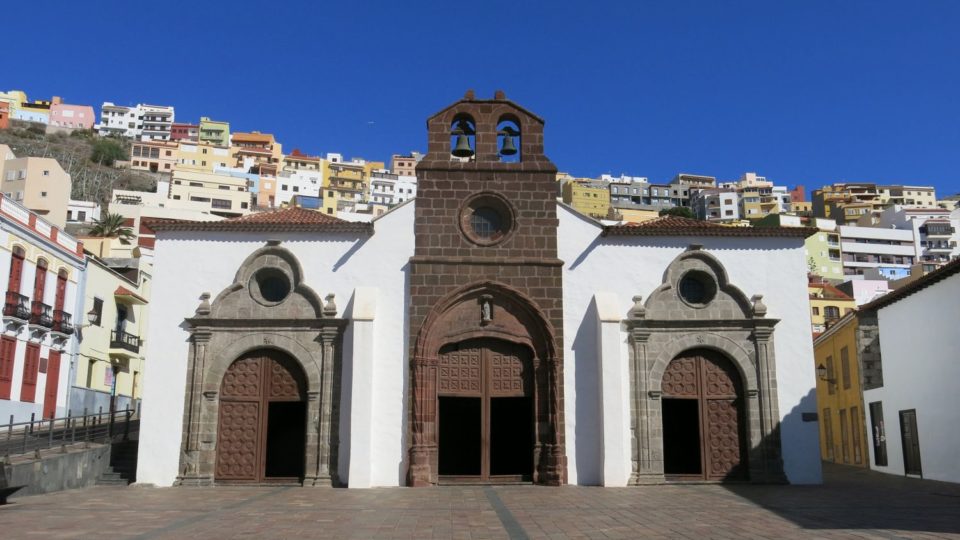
x,y
122,341
15,306
41,314
62,322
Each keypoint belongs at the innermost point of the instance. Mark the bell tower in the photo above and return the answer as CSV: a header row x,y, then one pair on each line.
x,y
485,270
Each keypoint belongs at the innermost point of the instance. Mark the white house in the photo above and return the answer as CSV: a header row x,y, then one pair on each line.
x,y
481,332
42,297
913,417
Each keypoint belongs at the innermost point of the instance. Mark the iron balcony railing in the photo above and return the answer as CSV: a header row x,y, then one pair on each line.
x,y
122,340
62,322
41,314
15,305
40,434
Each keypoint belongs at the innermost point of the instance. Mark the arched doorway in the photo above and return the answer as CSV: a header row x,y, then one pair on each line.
x,y
485,412
261,433
703,418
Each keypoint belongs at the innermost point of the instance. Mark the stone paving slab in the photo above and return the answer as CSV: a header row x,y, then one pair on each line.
x,y
853,503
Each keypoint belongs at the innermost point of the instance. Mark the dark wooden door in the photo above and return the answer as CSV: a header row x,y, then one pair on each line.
x,y
485,401
61,291
911,442
16,270
40,280
714,383
52,386
249,386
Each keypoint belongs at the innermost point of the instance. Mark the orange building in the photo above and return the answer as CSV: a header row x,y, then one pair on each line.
x,y
4,115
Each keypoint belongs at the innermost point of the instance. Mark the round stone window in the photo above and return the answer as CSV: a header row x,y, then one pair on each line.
x,y
486,219
697,288
270,286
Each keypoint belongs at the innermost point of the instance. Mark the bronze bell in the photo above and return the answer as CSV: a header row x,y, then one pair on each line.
x,y
508,148
462,150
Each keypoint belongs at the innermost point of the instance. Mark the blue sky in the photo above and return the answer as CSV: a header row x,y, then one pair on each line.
x,y
803,92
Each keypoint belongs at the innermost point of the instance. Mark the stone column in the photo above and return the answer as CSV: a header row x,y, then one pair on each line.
x,y
770,468
645,404
553,462
193,403
324,473
613,414
423,440
362,387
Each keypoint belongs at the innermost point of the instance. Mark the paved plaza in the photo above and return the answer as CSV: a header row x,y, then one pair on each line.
x,y
853,503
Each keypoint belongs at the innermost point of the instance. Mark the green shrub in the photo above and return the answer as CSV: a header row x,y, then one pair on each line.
x,y
107,151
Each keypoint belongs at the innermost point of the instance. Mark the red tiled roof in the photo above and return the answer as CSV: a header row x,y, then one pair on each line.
x,y
830,292
681,226
123,291
292,219
895,295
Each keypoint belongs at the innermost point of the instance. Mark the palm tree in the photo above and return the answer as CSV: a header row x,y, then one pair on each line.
x,y
111,226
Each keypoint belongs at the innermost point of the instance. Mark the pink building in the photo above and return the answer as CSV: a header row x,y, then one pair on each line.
x,y
67,116
184,132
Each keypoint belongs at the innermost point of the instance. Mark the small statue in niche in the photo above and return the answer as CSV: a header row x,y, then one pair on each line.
x,y
486,309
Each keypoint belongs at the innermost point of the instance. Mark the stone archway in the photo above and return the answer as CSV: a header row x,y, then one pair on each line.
x,y
262,423
492,323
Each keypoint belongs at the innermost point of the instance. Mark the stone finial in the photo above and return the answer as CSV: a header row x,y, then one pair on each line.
x,y
469,95
204,307
759,309
637,311
499,94
330,308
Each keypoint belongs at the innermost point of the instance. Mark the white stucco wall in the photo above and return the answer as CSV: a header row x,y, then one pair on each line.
x,y
188,264
918,345
627,266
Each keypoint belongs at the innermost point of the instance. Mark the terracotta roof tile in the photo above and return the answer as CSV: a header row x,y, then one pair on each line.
x,y
123,291
293,219
681,226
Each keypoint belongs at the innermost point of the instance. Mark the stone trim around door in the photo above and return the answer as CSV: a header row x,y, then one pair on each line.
x,y
667,325
239,321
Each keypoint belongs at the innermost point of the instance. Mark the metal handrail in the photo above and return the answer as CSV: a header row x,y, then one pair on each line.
x,y
123,340
35,435
15,305
41,314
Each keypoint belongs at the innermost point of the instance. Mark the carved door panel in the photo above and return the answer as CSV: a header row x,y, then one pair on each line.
x,y
249,386
715,383
500,376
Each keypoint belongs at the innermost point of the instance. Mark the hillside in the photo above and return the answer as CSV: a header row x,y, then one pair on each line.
x,y
91,181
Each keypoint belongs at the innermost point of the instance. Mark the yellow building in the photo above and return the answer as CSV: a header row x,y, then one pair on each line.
x,y
631,215
590,198
843,436
259,149
111,361
827,304
153,156
214,132
202,156
13,99
801,207
38,183
347,183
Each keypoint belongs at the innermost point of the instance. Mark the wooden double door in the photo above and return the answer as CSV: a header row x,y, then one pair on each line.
x,y
261,430
485,408
703,418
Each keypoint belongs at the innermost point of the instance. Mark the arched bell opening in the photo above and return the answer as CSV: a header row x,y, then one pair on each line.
x,y
463,137
509,139
262,420
704,418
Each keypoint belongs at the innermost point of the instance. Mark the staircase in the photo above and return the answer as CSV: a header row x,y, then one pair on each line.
x,y
123,465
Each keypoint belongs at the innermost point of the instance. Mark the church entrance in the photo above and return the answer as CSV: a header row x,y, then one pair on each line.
x,y
485,412
261,433
703,420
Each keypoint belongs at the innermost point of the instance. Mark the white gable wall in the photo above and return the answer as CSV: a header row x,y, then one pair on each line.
x,y
628,266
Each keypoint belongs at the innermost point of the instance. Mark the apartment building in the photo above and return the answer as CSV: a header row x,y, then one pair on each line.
x,y
388,189
214,132
935,230
156,122
589,197
45,268
877,251
915,196
82,211
201,156
758,197
262,148
715,204
4,115
822,249
348,182
838,353
695,181
827,304
184,132
226,196
405,164
69,117
140,206
12,99
109,373
40,184
154,156
37,111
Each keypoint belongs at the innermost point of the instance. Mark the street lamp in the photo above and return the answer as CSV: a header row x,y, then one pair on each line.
x,y
822,374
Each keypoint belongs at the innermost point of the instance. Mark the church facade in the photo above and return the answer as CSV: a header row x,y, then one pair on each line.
x,y
480,333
